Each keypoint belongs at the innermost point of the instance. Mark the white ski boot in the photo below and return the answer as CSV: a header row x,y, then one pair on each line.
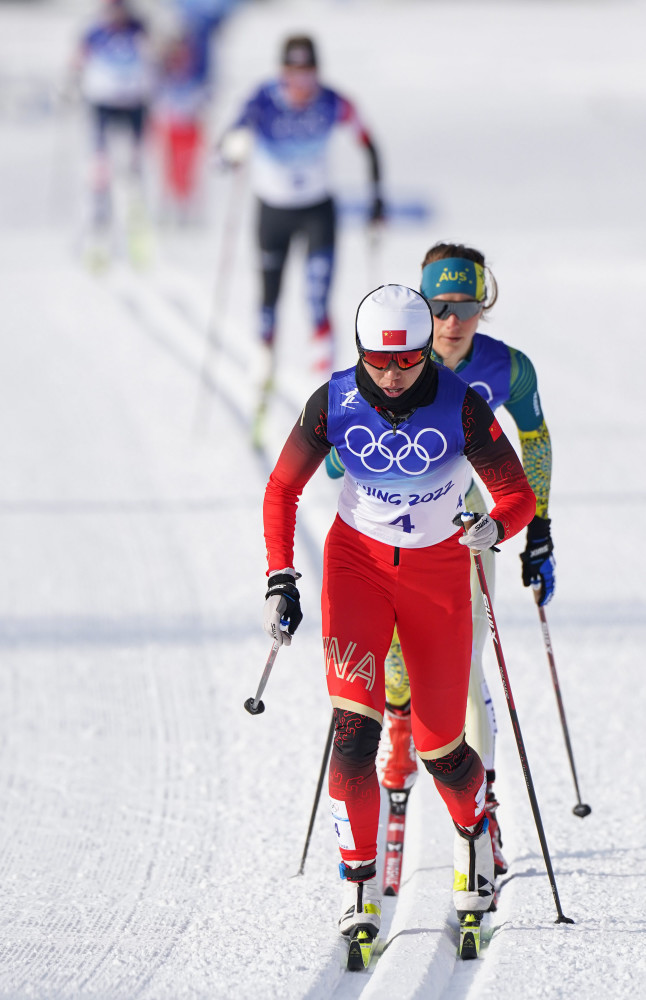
x,y
473,882
361,901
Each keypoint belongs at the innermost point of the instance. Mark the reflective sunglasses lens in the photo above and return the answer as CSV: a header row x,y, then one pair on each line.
x,y
377,359
463,310
408,359
403,359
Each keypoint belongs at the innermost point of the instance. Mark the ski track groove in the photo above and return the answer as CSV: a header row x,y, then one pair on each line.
x,y
119,839
119,866
165,315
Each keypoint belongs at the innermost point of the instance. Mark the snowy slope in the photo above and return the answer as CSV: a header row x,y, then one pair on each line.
x,y
150,826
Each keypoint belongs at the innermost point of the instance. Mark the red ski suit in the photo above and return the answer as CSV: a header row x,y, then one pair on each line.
x,y
370,586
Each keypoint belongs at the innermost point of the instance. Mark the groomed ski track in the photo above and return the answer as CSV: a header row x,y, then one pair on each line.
x,y
417,950
144,846
120,857
150,828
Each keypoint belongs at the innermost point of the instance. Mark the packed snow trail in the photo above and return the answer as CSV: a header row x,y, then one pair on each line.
x,y
116,675
150,826
139,853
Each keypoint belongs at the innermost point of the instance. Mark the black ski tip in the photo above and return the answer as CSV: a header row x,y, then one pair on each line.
x,y
390,891
254,709
581,809
355,958
469,949
469,934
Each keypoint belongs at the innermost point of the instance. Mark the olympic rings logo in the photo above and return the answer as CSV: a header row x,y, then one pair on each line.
x,y
484,389
411,457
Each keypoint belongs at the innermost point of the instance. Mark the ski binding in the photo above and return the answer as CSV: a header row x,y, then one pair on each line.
x,y
469,935
361,949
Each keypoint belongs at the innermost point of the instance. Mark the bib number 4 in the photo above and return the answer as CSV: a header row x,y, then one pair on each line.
x,y
404,519
405,522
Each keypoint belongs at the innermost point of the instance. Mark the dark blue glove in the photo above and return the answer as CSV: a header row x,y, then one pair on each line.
x,y
537,559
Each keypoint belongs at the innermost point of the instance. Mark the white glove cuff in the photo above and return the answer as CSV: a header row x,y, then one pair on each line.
x,y
481,535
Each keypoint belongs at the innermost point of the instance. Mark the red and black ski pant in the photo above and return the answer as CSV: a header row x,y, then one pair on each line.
x,y
368,588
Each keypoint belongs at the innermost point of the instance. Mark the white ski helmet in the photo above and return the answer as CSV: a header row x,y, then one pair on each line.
x,y
394,318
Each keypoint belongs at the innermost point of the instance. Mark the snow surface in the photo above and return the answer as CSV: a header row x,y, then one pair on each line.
x,y
151,829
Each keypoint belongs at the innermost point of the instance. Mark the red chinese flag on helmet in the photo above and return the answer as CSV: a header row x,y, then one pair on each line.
x,y
393,338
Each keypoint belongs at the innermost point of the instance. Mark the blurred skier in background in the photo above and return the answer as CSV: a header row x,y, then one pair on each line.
x,y
202,21
291,120
461,290
181,101
183,96
114,68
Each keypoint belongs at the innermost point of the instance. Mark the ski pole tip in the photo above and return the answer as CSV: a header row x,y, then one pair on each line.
x,y
253,707
581,809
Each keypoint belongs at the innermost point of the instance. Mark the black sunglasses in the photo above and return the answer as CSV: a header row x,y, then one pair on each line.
x,y
463,310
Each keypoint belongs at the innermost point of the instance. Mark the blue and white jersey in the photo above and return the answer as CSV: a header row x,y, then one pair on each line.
x,y
202,20
488,369
117,70
290,161
402,487
179,100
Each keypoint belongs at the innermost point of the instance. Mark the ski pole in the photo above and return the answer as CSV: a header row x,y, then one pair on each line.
x,y
580,809
467,521
221,288
317,794
373,247
254,705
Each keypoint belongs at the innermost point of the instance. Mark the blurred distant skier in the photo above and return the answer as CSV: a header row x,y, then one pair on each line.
x,y
115,69
181,99
292,119
183,93
202,21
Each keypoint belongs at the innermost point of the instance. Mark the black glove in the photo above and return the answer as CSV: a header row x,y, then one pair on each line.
x,y
283,612
377,211
537,559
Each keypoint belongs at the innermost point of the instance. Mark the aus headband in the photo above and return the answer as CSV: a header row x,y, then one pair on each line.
x,y
453,274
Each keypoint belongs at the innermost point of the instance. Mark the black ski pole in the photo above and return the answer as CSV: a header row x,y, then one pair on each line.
x,y
580,809
317,794
467,520
254,705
